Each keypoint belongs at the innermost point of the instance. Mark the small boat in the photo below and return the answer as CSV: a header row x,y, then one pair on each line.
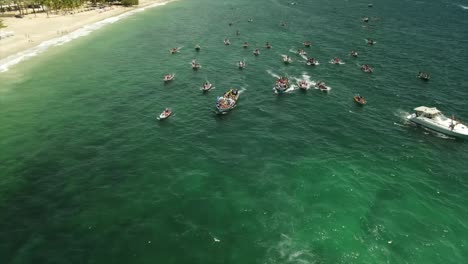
x,y
301,52
245,45
241,64
424,76
353,53
360,100
165,114
227,42
287,60
432,118
281,85
312,62
256,52
370,5
267,45
307,44
336,61
207,86
174,50
365,19
169,77
197,47
371,42
366,68
303,85
228,101
195,65
322,87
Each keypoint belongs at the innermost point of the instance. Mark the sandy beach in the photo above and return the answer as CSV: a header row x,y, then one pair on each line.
x,y
30,31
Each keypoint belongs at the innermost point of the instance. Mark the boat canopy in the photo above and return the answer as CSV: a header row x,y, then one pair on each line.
x,y
427,110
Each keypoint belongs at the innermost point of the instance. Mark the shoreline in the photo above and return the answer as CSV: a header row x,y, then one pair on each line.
x,y
32,35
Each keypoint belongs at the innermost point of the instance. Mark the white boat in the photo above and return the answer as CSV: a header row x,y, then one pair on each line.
x,y
195,65
169,77
353,53
432,118
175,50
322,87
165,114
366,68
303,85
228,101
241,64
301,52
336,61
207,86
227,42
287,60
312,62
256,52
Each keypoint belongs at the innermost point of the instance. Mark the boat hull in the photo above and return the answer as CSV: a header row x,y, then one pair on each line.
x,y
437,127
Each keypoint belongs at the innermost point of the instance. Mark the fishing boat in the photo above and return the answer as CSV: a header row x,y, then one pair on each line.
x,y
366,68
256,52
307,44
301,52
359,100
245,45
353,53
228,101
207,86
281,85
336,61
241,64
303,85
267,45
322,87
174,50
287,60
365,19
227,42
312,62
371,42
195,65
197,47
169,77
165,114
424,76
432,118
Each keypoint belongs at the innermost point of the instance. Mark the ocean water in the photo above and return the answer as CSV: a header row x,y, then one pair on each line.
x,y
89,175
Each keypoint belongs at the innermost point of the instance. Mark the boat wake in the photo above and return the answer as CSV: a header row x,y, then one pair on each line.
x,y
273,74
464,7
9,61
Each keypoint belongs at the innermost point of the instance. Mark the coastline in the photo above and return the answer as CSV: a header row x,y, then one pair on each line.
x,y
33,35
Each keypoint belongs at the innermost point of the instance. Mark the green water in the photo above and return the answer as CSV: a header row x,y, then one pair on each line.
x,y
88,175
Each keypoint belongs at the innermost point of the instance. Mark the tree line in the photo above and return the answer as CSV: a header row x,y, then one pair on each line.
x,y
26,6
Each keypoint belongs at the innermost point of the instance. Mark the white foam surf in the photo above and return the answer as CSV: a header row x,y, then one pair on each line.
x,y
9,61
464,7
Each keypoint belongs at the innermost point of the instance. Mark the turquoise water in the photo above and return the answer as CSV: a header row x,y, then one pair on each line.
x,y
88,175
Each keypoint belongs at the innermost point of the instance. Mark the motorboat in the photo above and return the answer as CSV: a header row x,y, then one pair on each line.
x,y
195,65
353,53
365,19
228,101
312,62
165,114
424,76
366,68
301,52
287,60
227,42
303,85
256,52
432,118
174,50
322,87
281,85
241,64
371,42
307,44
169,77
245,45
207,86
359,100
336,61
267,45
197,47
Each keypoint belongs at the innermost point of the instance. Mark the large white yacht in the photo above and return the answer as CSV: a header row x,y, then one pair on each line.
x,y
432,118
